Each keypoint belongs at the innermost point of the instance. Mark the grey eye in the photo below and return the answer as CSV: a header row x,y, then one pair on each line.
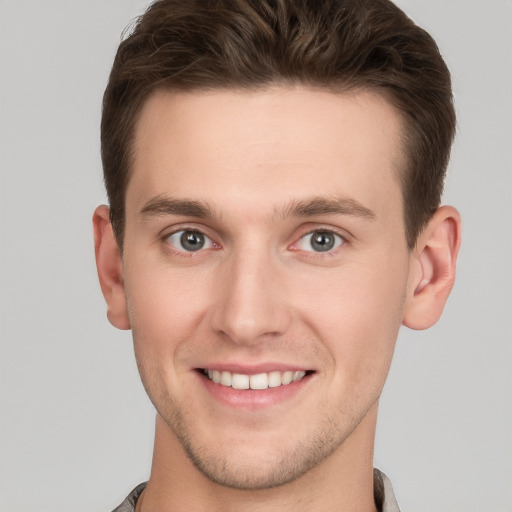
x,y
189,241
320,241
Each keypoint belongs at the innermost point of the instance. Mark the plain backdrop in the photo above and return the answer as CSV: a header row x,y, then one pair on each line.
x,y
76,427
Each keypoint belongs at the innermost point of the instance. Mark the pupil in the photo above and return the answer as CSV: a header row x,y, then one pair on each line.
x,y
322,241
192,240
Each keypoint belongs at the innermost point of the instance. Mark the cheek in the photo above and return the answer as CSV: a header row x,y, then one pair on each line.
x,y
164,308
165,314
356,310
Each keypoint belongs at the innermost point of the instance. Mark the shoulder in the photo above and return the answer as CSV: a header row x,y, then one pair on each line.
x,y
128,505
383,493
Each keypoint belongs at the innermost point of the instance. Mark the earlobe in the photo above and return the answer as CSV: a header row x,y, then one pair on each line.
x,y
433,269
110,269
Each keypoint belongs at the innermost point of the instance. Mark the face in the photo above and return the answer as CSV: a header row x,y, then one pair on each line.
x,y
265,269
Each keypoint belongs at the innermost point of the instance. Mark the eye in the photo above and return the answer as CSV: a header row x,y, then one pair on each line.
x,y
189,241
320,241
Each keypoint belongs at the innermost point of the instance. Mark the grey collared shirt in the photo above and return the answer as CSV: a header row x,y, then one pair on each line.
x,y
382,491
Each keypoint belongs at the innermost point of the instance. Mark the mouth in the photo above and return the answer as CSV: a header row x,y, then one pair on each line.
x,y
259,381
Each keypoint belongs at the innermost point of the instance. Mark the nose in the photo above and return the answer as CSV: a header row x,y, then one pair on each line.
x,y
251,300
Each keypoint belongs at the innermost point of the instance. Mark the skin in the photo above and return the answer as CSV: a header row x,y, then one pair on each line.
x,y
267,169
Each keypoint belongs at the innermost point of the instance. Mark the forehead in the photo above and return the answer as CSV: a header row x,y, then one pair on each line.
x,y
268,146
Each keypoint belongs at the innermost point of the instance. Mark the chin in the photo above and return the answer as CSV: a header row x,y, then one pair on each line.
x,y
246,467
257,473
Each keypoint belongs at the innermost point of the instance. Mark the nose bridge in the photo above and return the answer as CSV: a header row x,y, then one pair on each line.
x,y
251,303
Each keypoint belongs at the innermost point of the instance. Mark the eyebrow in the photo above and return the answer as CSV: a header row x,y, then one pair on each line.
x,y
161,206
339,205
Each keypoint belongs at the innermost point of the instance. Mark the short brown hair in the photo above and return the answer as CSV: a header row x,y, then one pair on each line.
x,y
250,44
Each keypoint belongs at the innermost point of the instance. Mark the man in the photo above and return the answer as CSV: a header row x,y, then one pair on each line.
x,y
274,172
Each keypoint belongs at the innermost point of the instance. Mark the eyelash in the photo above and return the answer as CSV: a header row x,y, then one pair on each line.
x,y
185,253
322,254
294,247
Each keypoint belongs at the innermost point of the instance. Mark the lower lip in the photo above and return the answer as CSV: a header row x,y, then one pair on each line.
x,y
254,398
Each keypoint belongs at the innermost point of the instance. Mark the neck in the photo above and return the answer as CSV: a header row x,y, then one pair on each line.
x,y
342,481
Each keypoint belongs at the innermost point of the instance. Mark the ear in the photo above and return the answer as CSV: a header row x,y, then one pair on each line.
x,y
432,267
110,268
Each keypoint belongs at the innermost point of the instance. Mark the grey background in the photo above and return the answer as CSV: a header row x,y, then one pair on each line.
x,y
76,427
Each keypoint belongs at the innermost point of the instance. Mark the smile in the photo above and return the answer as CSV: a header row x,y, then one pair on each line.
x,y
258,381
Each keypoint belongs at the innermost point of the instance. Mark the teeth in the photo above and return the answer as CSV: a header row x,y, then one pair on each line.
x,y
274,379
286,378
240,381
258,381
225,379
298,375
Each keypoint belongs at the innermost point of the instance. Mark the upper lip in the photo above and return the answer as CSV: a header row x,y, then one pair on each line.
x,y
253,369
